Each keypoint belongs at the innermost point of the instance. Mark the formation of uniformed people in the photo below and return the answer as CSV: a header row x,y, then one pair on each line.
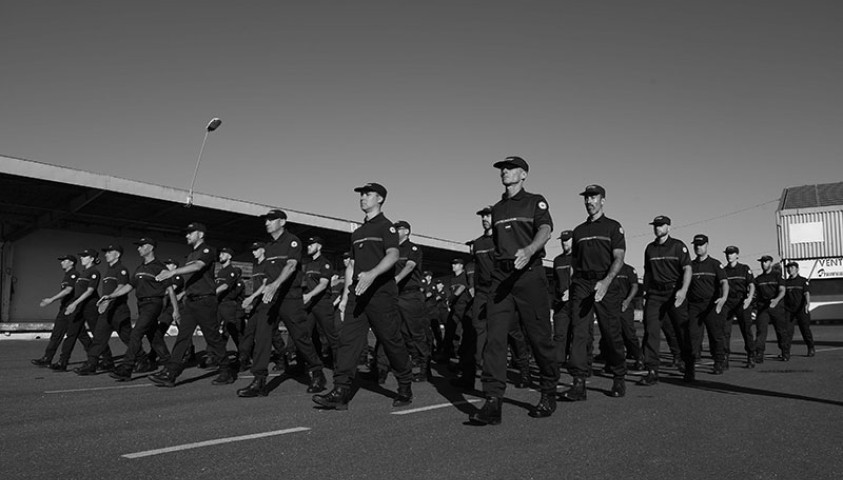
x,y
499,310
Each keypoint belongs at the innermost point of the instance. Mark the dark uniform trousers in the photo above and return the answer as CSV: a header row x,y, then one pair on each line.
x,y
414,324
322,314
299,327
520,294
803,320
763,317
705,313
661,313
149,310
84,314
198,311
378,311
734,308
228,318
454,325
480,323
630,337
118,319
608,310
562,330
59,331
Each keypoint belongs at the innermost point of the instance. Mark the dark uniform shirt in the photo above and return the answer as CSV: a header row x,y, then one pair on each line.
x,y
458,280
314,271
258,275
740,277
177,283
69,280
625,279
115,275
278,252
767,287
227,276
664,264
515,222
89,278
484,262
795,290
369,244
201,283
594,242
409,251
705,281
561,274
144,283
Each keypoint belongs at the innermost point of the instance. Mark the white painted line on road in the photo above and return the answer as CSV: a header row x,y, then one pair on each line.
x,y
829,349
208,443
434,407
121,387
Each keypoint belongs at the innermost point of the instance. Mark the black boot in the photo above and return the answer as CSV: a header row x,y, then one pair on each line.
x,y
750,360
164,378
317,381
690,374
227,376
618,387
244,363
60,366
650,379
405,395
577,392
146,365
726,361
719,368
759,358
87,369
255,389
42,362
524,380
424,372
490,414
123,373
545,407
812,351
336,399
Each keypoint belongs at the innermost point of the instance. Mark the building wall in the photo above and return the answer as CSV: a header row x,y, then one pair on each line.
x,y
36,272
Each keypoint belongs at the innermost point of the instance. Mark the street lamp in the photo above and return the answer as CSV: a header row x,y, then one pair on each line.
x,y
212,125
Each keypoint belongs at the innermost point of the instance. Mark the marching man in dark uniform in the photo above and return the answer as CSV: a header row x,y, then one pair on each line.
x,y
227,293
667,276
65,295
370,300
797,306
562,271
769,291
598,252
317,297
521,225
150,294
706,297
282,301
83,309
739,304
199,309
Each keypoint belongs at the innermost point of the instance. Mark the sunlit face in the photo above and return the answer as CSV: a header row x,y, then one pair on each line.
x,y
594,203
258,253
403,234
700,249
793,271
731,257
171,266
369,200
144,250
112,256
567,245
313,248
274,225
486,221
67,264
86,260
512,175
193,238
225,257
346,262
457,268
661,230
766,265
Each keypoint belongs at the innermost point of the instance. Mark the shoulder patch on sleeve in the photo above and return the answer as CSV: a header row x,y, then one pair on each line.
x,y
543,205
391,229
123,272
206,251
620,229
684,250
294,244
327,265
415,248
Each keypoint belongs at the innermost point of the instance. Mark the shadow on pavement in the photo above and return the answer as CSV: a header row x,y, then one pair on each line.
x,y
720,387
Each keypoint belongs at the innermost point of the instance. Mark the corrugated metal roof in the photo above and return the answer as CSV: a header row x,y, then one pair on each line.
x,y
812,196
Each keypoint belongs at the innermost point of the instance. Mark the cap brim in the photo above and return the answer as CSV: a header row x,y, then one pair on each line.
x,y
506,163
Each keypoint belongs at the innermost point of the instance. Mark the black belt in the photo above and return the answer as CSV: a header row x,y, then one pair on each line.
x,y
590,275
197,297
149,299
662,286
508,266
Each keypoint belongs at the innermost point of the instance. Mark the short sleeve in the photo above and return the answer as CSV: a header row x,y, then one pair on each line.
x,y
294,249
415,255
325,269
122,276
541,215
618,237
390,237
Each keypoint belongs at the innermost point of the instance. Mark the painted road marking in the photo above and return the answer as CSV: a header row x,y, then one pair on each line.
x,y
142,385
219,441
434,407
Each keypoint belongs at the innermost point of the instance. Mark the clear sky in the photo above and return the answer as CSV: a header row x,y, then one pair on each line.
x,y
693,110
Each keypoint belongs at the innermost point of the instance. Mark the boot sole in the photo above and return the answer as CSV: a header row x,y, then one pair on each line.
x,y
331,406
479,421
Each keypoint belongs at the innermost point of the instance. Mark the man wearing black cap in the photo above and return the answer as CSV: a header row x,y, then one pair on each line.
x,y
114,316
247,340
370,300
667,276
200,309
797,306
627,280
82,309
562,271
317,298
521,226
706,297
457,302
739,305
150,295
227,297
598,250
65,295
769,290
282,301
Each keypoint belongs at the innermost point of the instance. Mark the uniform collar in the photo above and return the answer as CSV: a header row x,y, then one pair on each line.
x,y
377,217
518,196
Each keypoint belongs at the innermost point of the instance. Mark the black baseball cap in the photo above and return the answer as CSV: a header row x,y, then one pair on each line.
x,y
660,220
227,250
275,214
700,239
145,241
458,260
401,224
170,261
116,248
765,258
72,258
566,235
196,227
593,190
315,239
512,162
89,252
256,245
346,254
372,187
427,273
485,211
732,249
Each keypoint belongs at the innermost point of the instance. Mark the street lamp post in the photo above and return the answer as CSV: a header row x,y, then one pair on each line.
x,y
212,125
